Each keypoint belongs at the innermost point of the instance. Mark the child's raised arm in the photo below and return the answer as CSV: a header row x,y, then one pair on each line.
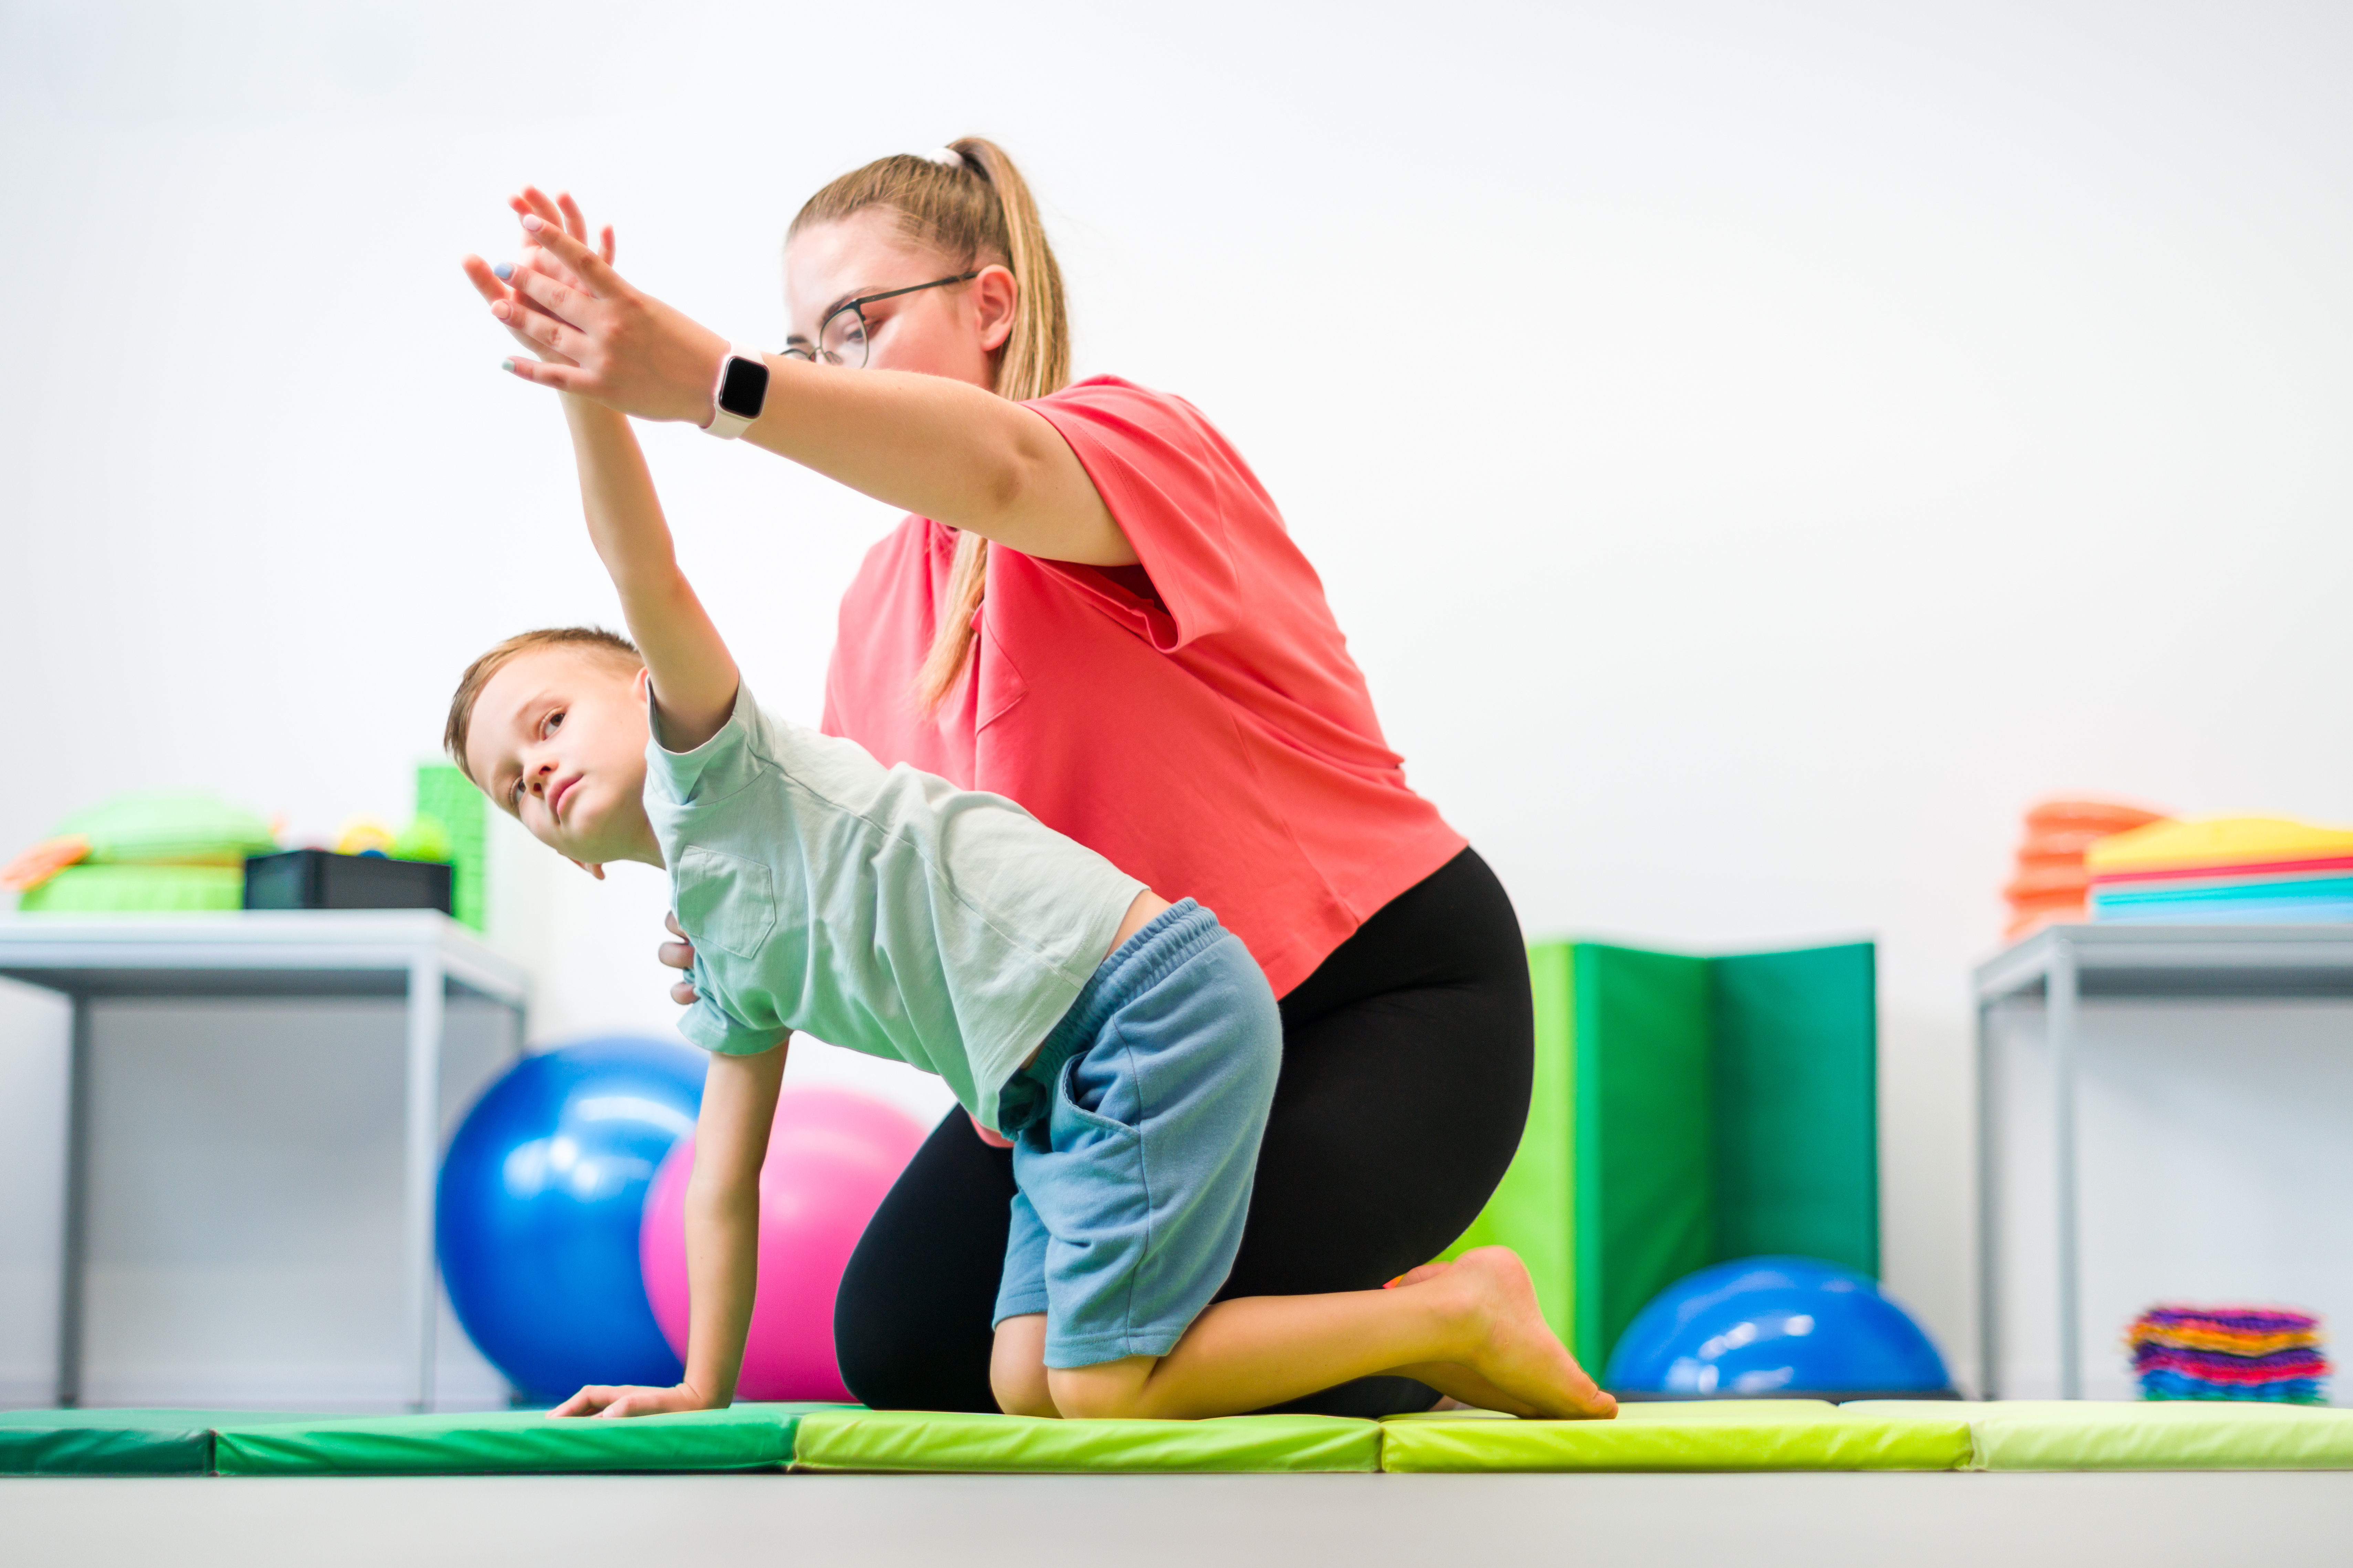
x,y
694,676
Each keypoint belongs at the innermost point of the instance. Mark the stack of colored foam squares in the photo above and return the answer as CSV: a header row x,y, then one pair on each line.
x,y
2224,870
2266,1353
2051,882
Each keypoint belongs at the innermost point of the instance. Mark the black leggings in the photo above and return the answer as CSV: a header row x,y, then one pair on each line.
x,y
1406,1059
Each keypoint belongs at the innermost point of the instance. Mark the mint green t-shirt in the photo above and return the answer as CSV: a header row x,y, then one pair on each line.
x,y
882,909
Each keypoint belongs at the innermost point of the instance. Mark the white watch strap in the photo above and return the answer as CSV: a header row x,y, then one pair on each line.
x,y
724,425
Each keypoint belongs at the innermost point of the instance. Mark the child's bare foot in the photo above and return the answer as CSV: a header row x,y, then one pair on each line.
x,y
1516,1362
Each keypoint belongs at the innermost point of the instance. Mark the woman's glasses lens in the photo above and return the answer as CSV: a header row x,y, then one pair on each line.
x,y
842,340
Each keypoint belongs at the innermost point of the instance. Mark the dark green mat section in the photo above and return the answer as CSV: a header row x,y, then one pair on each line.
x,y
925,1442
1796,1105
513,1442
1688,1111
116,1442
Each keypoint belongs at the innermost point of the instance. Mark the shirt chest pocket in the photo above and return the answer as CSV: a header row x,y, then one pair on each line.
x,y
726,901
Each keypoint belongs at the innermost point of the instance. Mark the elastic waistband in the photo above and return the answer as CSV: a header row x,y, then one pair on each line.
x,y
1141,962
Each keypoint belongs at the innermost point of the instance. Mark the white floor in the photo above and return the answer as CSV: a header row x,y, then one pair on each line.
x,y
1189,1522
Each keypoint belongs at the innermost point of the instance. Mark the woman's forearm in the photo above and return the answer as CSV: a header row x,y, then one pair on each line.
x,y
941,449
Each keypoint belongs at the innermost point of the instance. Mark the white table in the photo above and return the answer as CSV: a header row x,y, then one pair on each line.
x,y
421,954
2070,965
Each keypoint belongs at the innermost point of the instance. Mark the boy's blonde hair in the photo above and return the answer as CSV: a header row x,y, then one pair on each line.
x,y
588,639
974,212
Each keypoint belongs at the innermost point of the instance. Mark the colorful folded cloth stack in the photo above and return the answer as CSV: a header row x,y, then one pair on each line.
x,y
2268,1353
2050,882
2230,869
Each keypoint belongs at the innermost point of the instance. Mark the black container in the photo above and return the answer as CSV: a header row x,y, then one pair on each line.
x,y
321,880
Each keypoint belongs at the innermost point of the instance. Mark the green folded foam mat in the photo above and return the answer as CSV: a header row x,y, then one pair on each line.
x,y
914,1440
1726,1435
117,1442
2159,1434
1685,1111
509,1442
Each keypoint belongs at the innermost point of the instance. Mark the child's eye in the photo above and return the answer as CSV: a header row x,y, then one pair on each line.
x,y
554,718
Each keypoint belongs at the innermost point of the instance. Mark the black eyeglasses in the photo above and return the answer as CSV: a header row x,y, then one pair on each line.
x,y
842,338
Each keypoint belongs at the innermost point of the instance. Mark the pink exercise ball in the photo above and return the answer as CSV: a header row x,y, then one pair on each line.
x,y
831,1156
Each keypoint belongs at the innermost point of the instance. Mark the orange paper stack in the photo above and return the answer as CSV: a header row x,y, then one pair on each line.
x,y
2051,883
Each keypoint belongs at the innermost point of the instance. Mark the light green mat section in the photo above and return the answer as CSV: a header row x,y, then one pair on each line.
x,y
116,1442
925,1441
2158,1434
509,1442
1725,1435
1688,1111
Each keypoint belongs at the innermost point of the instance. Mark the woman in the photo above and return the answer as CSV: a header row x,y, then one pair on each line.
x,y
1092,602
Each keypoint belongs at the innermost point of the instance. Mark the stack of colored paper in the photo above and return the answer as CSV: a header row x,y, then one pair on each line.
x,y
2266,1353
2230,870
2051,882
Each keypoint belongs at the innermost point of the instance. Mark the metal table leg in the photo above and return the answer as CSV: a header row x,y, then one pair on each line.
x,y
73,1262
1989,1200
2062,1026
420,1280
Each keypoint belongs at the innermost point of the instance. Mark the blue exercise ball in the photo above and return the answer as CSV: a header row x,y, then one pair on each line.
x,y
1768,1326
541,1198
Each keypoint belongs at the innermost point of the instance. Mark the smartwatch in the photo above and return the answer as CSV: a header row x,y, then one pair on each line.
x,y
742,390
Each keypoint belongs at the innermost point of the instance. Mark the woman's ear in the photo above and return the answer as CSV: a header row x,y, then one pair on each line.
x,y
595,868
996,301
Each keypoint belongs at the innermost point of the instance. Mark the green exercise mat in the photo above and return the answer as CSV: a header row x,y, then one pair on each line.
x,y
925,1441
1688,1111
1727,1435
2161,1435
511,1442
117,1442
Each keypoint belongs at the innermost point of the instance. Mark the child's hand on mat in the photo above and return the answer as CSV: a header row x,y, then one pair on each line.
x,y
678,954
493,283
596,336
625,1400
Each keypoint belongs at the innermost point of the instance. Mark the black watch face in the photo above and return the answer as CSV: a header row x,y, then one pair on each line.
x,y
745,388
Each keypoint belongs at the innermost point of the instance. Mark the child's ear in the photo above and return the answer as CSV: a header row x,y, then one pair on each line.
x,y
595,870
645,679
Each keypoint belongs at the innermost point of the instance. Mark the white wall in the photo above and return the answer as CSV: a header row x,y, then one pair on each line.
x,y
1754,449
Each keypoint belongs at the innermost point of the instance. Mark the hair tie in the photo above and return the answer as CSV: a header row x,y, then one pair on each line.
x,y
948,156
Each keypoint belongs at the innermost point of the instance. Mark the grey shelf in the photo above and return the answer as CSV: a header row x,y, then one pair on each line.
x,y
2064,967
421,955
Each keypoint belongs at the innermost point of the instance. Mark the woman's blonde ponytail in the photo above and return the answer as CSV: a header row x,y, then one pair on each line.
x,y
976,212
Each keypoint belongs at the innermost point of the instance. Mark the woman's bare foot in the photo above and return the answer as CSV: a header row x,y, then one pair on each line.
x,y
1515,1362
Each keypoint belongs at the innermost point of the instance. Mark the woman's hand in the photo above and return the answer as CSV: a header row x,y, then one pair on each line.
x,y
678,954
596,336
491,283
627,1399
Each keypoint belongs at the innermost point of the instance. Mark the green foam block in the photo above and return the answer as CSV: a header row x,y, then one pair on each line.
x,y
513,1442
1727,1435
116,1442
2109,1435
926,1441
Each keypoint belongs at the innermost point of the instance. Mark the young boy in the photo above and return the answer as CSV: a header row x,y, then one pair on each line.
x,y
1126,1045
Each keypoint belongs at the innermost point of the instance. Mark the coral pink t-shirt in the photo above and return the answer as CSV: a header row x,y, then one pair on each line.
x,y
1196,720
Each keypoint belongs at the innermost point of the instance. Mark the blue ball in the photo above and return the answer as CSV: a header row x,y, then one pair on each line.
x,y
1762,1326
538,1205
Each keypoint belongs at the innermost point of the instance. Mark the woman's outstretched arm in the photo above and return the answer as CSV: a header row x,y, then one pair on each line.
x,y
952,452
